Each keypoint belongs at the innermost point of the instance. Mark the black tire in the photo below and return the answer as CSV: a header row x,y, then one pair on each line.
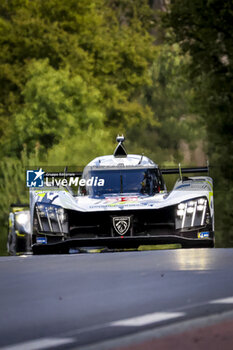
x,y
199,244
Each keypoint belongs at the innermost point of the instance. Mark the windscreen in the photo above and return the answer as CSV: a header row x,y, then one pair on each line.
x,y
140,181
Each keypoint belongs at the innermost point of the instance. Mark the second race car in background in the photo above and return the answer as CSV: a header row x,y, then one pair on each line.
x,y
19,230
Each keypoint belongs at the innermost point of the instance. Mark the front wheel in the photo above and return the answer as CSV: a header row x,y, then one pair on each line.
x,y
199,244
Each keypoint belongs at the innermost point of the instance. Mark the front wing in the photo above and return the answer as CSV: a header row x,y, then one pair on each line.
x,y
124,229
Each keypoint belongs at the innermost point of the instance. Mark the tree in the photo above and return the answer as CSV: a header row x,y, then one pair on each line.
x,y
170,97
89,38
56,106
204,30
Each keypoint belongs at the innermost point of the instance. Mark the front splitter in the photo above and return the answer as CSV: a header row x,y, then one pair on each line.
x,y
121,242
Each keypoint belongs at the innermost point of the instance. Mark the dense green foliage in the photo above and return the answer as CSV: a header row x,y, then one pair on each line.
x,y
170,97
84,38
203,29
73,74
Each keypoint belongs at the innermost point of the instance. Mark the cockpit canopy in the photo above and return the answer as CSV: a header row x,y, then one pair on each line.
x,y
138,180
122,173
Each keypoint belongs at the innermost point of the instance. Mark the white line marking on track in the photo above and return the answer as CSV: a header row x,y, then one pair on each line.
x,y
147,319
39,344
222,301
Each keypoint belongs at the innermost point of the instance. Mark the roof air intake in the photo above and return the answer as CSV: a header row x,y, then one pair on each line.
x,y
120,151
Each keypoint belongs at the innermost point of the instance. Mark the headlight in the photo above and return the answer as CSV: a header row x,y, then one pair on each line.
x,y
51,218
21,218
191,213
51,211
190,210
201,201
180,212
60,213
200,207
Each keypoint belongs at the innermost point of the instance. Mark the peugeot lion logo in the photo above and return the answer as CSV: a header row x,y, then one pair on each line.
x,y
121,224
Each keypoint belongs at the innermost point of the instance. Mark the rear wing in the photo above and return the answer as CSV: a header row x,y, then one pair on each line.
x,y
185,170
19,205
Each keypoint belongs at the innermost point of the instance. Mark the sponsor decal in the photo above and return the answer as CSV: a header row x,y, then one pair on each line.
x,y
110,206
41,240
114,201
121,224
182,186
48,197
124,202
203,234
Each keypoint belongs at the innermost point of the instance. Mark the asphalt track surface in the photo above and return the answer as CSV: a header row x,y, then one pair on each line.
x,y
81,301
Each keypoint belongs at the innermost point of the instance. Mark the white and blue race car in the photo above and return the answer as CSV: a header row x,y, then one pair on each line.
x,y
122,202
19,230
